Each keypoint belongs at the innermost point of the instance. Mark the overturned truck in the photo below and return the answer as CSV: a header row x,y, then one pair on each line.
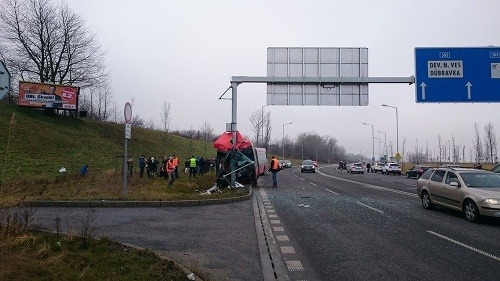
x,y
250,162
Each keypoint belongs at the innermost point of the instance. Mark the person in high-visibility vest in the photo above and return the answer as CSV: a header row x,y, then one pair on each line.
x,y
170,168
176,163
192,167
274,169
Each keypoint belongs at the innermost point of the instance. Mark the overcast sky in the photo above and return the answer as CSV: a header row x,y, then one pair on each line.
x,y
185,52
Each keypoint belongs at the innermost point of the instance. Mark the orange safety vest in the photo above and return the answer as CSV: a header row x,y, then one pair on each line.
x,y
275,164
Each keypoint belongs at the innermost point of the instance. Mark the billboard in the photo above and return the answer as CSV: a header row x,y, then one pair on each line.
x,y
48,96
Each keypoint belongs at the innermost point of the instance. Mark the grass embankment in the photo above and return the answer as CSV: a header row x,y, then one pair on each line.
x,y
34,146
46,256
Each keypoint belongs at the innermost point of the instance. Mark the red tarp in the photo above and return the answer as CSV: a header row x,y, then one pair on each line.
x,y
223,142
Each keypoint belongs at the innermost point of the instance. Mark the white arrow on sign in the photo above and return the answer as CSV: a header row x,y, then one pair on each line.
x,y
423,86
468,85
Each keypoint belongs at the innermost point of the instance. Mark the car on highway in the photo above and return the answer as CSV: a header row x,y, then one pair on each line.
x,y
416,171
377,167
391,168
356,168
285,163
474,192
307,166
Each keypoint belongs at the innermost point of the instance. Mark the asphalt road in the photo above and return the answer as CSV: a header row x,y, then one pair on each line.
x,y
218,241
321,226
373,227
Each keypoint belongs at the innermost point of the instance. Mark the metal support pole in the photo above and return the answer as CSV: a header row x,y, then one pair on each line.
x,y
373,142
234,122
125,171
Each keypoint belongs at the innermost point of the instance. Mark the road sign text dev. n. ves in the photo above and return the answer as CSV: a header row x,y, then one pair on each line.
x,y
452,75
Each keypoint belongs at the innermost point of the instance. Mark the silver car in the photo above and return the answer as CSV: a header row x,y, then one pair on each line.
x,y
356,168
474,192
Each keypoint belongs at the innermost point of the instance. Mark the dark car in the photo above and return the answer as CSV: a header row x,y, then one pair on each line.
x,y
307,166
416,171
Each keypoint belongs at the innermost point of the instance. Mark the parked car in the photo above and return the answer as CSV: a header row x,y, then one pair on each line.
x,y
356,168
474,192
377,167
496,169
392,168
307,166
416,171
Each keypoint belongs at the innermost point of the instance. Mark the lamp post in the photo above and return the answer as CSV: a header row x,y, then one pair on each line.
x,y
262,124
373,142
379,141
385,143
283,139
397,127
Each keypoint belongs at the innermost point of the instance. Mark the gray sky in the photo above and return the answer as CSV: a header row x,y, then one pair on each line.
x,y
185,52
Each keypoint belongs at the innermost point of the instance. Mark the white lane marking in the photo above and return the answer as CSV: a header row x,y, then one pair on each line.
x,y
287,250
331,191
464,245
282,238
369,185
313,184
275,222
294,265
302,179
369,207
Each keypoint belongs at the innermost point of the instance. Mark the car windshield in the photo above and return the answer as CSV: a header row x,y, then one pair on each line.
x,y
307,162
358,164
481,180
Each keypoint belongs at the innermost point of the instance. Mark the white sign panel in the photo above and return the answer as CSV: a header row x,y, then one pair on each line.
x,y
445,69
317,63
128,130
495,70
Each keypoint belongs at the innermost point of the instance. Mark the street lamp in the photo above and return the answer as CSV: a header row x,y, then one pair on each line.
x,y
373,142
262,124
283,139
379,141
397,127
385,142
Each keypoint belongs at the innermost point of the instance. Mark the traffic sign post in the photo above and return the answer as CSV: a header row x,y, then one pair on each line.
x,y
127,113
457,75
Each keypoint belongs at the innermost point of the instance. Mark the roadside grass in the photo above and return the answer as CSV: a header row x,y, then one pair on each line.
x,y
34,146
47,256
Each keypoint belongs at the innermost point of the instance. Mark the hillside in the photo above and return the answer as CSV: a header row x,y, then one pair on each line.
x,y
34,146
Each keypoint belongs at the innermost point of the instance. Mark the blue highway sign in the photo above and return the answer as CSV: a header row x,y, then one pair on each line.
x,y
453,75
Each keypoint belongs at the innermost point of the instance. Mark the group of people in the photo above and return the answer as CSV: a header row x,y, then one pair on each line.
x,y
169,167
198,166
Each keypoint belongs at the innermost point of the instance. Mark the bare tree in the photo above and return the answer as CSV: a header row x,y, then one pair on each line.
x,y
440,146
261,127
102,102
490,140
137,121
49,43
165,117
478,147
206,131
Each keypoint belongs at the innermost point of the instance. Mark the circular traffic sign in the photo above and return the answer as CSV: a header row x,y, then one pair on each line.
x,y
127,112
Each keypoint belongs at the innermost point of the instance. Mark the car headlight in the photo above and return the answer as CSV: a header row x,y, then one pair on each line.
x,y
492,201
